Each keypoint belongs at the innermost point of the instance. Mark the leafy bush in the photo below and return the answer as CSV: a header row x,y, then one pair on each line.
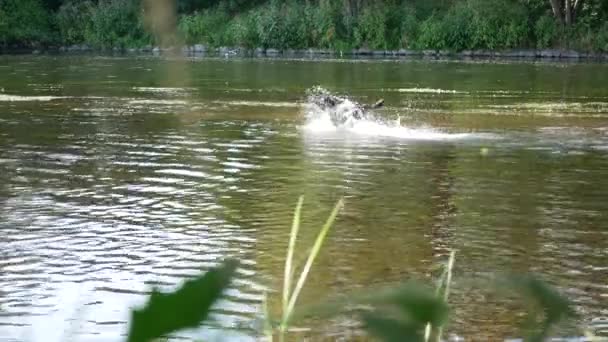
x,y
243,30
601,42
545,32
409,27
327,20
268,25
459,27
73,21
432,34
498,24
3,27
294,26
476,24
116,23
371,28
208,27
25,23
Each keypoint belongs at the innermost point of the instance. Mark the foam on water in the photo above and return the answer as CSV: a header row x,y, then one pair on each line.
x,y
318,120
21,98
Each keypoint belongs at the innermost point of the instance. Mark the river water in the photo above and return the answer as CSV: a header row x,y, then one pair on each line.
x,y
119,174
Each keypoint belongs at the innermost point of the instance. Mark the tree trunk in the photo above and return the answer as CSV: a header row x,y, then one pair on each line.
x,y
568,13
575,7
557,10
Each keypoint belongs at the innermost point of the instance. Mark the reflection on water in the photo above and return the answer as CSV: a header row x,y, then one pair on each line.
x,y
113,181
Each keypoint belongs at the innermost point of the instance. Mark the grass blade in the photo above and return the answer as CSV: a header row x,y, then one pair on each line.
x,y
311,258
290,249
448,283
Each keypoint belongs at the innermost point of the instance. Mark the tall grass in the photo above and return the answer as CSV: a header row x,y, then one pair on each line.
x,y
290,298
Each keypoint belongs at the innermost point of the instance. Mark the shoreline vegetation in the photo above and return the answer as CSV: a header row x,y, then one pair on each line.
x,y
199,50
530,29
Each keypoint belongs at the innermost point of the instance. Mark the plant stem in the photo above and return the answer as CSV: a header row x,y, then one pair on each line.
x,y
448,281
290,249
311,257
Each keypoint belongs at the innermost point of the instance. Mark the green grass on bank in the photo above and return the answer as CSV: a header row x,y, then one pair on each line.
x,y
296,24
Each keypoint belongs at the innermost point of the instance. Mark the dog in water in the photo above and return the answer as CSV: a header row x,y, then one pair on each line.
x,y
340,109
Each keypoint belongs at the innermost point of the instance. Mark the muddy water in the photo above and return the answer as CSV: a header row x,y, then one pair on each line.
x,y
119,174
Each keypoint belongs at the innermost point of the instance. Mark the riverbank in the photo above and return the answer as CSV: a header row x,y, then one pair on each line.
x,y
199,50
474,28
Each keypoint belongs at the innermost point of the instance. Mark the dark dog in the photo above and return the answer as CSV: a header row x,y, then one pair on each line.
x,y
331,104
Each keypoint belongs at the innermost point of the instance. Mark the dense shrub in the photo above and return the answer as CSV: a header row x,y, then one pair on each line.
x,y
601,43
24,23
459,26
545,32
208,27
431,35
498,24
476,24
3,27
409,29
327,20
116,23
243,30
371,28
294,24
73,21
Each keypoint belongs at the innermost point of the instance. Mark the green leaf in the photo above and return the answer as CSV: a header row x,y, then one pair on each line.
x,y
421,305
554,306
184,308
391,330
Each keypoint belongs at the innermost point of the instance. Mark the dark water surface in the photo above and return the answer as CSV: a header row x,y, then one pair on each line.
x,y
119,174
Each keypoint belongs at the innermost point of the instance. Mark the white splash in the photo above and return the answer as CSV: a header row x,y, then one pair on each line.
x,y
160,102
163,90
318,120
429,91
256,103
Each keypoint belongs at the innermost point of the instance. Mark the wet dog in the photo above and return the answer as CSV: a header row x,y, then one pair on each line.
x,y
340,109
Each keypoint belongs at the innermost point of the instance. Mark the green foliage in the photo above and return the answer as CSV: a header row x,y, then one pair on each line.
x,y
409,312
292,24
371,29
409,27
459,26
116,23
73,21
4,28
403,313
243,31
498,24
602,38
547,301
24,23
184,308
432,34
476,24
545,31
327,20
209,27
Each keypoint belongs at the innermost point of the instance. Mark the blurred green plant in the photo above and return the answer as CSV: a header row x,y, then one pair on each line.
x,y
410,312
184,308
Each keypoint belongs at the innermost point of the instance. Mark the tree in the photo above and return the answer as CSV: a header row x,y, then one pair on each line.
x,y
565,10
